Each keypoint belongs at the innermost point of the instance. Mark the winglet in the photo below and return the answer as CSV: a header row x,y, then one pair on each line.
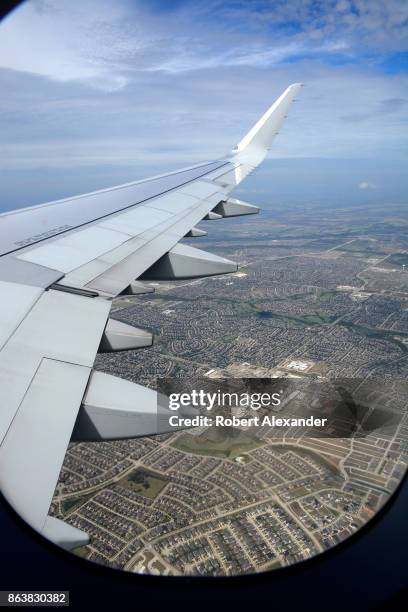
x,y
256,143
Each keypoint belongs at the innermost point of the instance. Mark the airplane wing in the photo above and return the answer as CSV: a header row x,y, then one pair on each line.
x,y
61,263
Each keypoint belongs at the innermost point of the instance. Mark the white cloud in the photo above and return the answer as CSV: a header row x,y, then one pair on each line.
x,y
64,41
255,56
372,25
367,185
108,83
104,44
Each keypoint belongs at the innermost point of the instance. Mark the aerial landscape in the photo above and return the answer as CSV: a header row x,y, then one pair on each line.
x,y
320,294
128,128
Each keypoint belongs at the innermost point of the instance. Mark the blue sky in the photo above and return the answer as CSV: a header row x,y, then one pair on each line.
x,y
98,92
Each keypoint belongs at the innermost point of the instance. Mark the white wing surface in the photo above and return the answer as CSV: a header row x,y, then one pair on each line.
x,y
61,263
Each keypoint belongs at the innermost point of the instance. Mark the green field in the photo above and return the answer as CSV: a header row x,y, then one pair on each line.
x,y
144,482
71,504
318,318
368,247
370,332
231,443
397,260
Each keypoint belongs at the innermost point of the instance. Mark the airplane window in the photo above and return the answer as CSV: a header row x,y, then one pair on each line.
x,y
301,310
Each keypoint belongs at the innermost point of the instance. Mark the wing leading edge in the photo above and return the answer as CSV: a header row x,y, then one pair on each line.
x,y
61,263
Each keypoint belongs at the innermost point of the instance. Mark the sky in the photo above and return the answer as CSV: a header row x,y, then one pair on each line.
x,y
98,92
